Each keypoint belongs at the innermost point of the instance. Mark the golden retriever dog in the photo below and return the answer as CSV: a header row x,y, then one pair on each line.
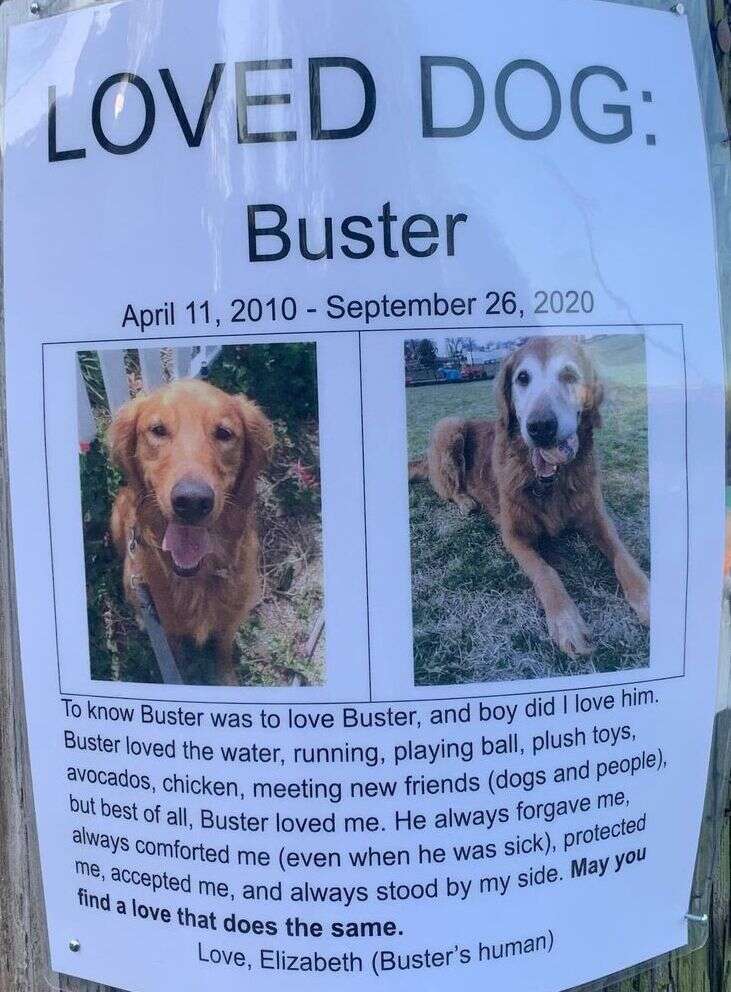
x,y
534,471
184,523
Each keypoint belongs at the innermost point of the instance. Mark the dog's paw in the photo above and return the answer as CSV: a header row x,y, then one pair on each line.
x,y
466,505
638,597
568,631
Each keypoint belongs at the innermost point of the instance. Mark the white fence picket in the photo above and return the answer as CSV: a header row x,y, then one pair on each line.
x,y
151,368
115,379
181,362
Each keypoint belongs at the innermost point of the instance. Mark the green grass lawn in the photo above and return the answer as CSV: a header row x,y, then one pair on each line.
x,y
476,617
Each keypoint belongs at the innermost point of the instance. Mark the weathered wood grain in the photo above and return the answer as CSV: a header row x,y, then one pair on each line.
x,y
23,946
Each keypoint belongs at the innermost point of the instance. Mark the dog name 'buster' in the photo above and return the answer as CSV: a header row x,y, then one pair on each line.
x,y
367,611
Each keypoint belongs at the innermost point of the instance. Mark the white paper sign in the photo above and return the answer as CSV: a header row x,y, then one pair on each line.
x,y
365,411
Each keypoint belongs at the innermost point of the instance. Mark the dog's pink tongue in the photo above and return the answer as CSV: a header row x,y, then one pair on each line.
x,y
541,466
546,460
186,544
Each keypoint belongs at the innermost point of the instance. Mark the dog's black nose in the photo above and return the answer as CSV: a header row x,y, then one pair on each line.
x,y
543,429
192,500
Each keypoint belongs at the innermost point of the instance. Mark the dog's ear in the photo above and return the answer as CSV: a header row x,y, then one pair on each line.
x,y
593,394
122,439
504,394
258,442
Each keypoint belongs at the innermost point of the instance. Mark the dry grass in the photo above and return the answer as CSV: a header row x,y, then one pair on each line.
x,y
476,618
273,644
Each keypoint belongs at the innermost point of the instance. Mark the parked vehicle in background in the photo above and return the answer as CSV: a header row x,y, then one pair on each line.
x,y
472,372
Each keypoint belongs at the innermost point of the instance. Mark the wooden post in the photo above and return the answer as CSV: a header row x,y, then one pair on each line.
x,y
23,945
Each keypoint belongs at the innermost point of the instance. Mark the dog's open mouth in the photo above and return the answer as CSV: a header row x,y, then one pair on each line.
x,y
547,461
187,545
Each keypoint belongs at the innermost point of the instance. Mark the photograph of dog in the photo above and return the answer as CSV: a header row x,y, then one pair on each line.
x,y
530,541
202,521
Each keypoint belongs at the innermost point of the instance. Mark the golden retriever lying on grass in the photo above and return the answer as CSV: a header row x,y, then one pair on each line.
x,y
184,523
534,471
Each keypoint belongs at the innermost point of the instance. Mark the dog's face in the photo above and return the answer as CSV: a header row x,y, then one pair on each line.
x,y
547,386
193,453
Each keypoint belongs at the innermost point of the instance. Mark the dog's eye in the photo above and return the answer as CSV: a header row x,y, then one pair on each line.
x,y
159,430
523,378
569,376
222,433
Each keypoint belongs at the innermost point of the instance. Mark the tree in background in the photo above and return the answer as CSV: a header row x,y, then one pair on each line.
x,y
455,349
427,353
470,346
